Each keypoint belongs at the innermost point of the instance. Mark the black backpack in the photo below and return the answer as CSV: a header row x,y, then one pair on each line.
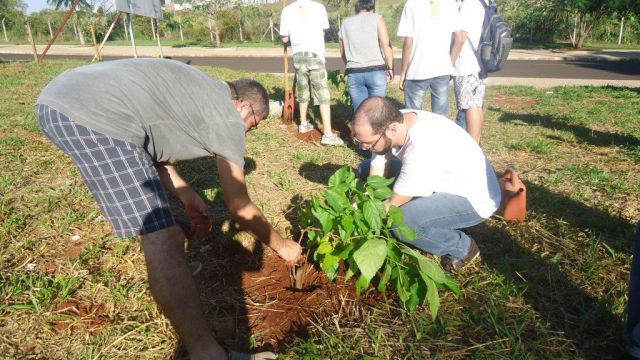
x,y
495,40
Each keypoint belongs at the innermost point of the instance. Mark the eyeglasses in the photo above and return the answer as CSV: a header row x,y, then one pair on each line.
x,y
366,146
255,119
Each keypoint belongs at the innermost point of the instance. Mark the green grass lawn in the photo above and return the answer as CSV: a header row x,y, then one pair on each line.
x,y
553,287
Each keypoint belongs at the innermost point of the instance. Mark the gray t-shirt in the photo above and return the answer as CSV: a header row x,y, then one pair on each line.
x,y
359,36
173,110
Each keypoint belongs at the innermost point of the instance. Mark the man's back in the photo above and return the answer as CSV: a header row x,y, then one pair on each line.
x,y
431,25
173,110
304,21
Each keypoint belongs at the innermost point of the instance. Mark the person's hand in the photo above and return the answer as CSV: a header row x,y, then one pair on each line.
x,y
265,355
198,214
290,251
401,84
389,75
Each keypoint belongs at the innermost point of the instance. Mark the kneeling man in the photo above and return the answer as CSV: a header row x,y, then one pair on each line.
x,y
444,182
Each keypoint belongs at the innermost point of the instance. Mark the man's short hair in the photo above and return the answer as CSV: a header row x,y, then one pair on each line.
x,y
247,89
379,112
368,5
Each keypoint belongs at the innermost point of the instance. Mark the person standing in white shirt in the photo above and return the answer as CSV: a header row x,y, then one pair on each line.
x,y
427,63
303,23
469,83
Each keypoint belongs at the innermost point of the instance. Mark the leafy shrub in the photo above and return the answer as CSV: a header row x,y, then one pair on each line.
x,y
350,225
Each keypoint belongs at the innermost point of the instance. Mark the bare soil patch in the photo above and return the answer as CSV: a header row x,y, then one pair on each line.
x,y
513,100
253,296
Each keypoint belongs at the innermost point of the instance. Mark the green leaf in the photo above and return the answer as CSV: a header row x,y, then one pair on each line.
x,y
343,253
325,247
324,218
347,224
395,214
383,193
406,233
378,182
372,215
337,200
370,257
382,285
451,285
433,298
430,267
312,238
362,284
330,266
352,270
343,175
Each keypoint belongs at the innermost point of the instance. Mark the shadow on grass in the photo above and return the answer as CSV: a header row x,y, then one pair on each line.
x,y
615,231
223,259
564,306
589,136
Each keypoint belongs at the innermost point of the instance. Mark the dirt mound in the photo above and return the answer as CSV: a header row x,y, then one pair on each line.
x,y
254,300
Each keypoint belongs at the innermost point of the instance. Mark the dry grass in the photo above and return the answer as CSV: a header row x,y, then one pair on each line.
x,y
553,287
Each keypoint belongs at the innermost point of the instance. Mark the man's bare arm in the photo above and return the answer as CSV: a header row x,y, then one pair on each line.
x,y
248,215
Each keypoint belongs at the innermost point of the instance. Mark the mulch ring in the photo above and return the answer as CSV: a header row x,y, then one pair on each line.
x,y
250,297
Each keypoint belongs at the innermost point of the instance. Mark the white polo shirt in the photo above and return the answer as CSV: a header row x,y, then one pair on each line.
x,y
304,22
431,24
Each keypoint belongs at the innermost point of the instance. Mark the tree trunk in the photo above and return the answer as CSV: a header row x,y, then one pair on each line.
x,y
217,33
240,26
126,30
33,44
153,28
50,31
586,25
75,30
81,35
180,23
210,30
619,36
271,28
4,30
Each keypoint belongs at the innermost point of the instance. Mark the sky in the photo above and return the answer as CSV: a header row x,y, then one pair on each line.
x,y
35,5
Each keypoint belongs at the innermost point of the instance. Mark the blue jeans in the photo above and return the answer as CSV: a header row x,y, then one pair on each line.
x,y
415,90
366,84
435,219
461,119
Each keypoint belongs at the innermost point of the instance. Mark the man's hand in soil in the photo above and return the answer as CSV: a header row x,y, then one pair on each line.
x,y
266,355
289,250
198,213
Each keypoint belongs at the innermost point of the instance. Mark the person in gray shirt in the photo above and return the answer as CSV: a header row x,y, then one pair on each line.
x,y
366,51
123,123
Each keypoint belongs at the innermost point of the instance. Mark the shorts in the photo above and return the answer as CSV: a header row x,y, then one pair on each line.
x,y
469,90
120,175
310,69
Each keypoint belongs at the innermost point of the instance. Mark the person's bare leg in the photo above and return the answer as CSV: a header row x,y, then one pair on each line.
x,y
325,114
475,118
174,289
303,112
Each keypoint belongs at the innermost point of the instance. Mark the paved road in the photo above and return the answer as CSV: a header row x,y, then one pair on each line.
x,y
538,69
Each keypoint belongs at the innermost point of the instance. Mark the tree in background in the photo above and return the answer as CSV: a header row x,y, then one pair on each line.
x,y
590,12
212,8
12,12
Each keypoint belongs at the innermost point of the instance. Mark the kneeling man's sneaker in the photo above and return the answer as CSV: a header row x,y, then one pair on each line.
x,y
450,264
331,140
305,128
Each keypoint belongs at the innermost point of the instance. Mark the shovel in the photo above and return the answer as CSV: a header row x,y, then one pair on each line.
x,y
289,100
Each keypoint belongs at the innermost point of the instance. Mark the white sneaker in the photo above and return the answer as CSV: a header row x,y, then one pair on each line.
x,y
331,140
305,128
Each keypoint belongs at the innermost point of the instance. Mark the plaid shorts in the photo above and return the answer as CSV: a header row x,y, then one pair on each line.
x,y
310,69
469,91
120,175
